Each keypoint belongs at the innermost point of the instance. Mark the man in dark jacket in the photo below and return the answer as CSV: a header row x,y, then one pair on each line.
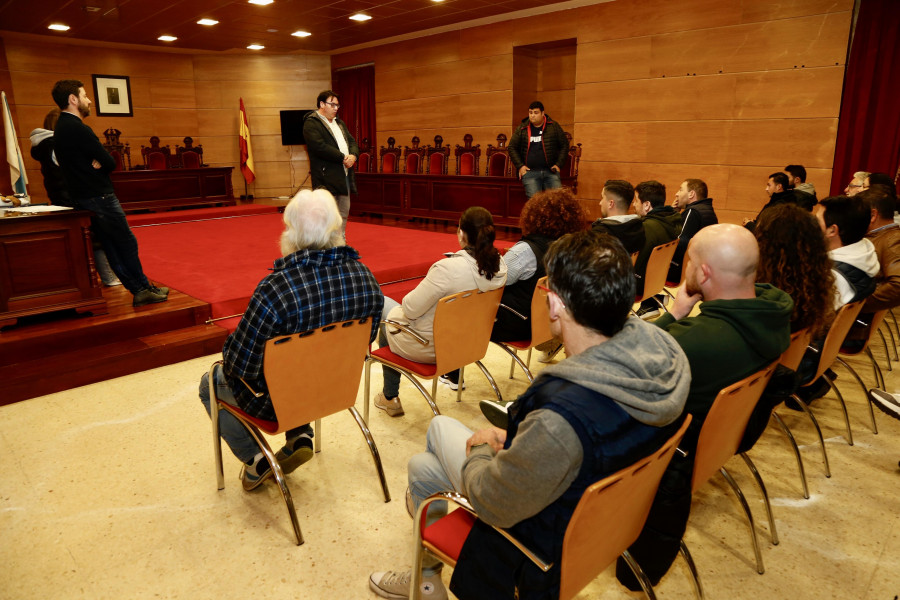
x,y
699,213
778,187
617,221
332,152
661,225
617,397
538,150
86,165
742,328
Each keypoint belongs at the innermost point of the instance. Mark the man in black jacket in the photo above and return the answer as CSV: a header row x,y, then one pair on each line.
x,y
699,213
538,150
615,201
332,151
86,165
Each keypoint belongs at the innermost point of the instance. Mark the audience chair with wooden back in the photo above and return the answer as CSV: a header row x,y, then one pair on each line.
x,y
720,437
467,156
608,519
540,329
656,272
875,321
462,333
390,157
309,375
437,157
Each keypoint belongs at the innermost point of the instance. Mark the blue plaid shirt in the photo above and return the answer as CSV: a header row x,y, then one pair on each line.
x,y
306,290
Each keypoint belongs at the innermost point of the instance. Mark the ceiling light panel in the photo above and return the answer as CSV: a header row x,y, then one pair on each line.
x,y
360,17
207,22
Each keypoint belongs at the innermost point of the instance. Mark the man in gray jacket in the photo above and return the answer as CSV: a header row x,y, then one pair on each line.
x,y
616,398
332,151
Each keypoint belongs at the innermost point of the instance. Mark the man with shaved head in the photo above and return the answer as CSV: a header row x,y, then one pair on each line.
x,y
742,327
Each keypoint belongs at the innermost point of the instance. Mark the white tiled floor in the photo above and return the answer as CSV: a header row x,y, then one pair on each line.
x,y
108,491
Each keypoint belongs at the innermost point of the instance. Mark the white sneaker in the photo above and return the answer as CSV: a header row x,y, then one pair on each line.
x,y
392,584
450,383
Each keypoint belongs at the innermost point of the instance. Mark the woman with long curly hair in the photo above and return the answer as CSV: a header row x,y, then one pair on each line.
x,y
545,218
793,257
477,264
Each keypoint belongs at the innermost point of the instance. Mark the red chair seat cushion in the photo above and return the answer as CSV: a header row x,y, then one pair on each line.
x,y
428,371
267,426
450,533
523,345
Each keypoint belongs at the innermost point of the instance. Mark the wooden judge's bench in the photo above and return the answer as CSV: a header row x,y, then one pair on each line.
x,y
425,189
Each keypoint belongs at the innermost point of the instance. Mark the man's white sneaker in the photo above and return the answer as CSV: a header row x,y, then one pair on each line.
x,y
888,403
392,584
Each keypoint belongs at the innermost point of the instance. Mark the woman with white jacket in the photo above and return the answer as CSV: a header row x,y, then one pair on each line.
x,y
477,265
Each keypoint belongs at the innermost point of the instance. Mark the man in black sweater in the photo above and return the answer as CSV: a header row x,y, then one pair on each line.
x,y
698,214
86,165
615,202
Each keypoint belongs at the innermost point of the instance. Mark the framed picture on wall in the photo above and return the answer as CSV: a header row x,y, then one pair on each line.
x,y
112,95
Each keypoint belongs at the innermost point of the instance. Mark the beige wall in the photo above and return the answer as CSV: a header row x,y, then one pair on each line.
x,y
724,90
178,95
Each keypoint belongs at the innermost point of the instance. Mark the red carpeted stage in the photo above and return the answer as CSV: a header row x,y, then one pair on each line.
x,y
220,257
212,260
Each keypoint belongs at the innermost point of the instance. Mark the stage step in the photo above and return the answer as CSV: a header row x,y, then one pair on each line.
x,y
74,368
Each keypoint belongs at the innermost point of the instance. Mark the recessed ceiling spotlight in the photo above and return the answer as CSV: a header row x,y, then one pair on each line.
x,y
261,2
360,17
255,47
58,27
207,22
167,38
437,0
301,34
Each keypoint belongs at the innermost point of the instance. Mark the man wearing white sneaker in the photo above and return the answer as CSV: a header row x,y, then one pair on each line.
x,y
617,397
319,280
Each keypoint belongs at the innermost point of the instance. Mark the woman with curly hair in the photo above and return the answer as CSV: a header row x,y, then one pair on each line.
x,y
545,218
793,257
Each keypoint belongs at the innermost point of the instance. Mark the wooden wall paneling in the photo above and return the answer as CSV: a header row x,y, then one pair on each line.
x,y
767,10
221,148
613,60
141,92
487,40
419,112
747,187
663,98
809,142
172,93
273,173
692,142
439,48
557,69
394,85
262,68
221,122
152,65
174,122
34,88
39,58
617,20
559,25
260,123
349,59
613,142
268,146
209,94
461,77
484,109
794,94
294,94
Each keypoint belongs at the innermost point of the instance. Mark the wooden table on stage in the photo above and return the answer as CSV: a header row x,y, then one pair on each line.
x,y
441,196
47,264
166,188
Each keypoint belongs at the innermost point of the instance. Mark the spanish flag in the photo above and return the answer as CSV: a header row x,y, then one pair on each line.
x,y
247,166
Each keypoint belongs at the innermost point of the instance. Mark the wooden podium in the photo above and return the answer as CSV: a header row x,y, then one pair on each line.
x,y
47,264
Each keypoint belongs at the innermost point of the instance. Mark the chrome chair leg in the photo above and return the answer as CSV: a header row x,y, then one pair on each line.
x,y
765,495
373,449
695,576
517,360
366,391
461,383
815,423
490,379
864,389
317,436
640,575
740,495
879,375
843,408
793,442
434,383
887,354
214,417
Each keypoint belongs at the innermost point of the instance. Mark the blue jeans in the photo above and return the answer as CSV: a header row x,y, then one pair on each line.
x,y
111,229
538,180
231,430
438,469
391,386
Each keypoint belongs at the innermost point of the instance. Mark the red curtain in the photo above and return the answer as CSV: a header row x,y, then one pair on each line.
x,y
356,87
869,128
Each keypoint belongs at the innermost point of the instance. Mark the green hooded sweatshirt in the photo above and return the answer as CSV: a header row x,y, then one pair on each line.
x,y
728,341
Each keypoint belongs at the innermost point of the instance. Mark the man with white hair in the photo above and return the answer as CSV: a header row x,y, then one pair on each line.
x,y
317,281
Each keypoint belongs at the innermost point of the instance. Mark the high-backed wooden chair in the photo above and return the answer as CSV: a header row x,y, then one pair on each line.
x,y
573,157
188,156
155,148
608,519
190,160
413,157
120,152
462,333
498,164
437,157
540,329
657,269
467,156
390,157
720,436
309,375
156,160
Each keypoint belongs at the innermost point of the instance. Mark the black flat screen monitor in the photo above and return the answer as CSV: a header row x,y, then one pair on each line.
x,y
292,127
